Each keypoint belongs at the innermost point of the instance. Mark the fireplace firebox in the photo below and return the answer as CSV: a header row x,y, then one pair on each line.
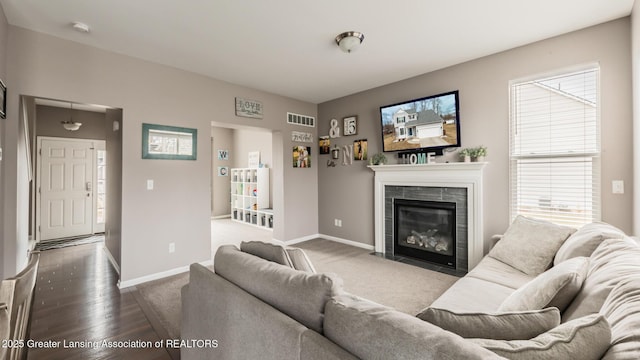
x,y
425,230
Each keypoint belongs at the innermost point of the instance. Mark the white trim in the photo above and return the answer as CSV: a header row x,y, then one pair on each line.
x,y
221,217
462,175
111,259
300,239
330,238
348,242
160,275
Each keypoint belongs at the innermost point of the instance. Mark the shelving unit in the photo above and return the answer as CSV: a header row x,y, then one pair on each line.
x,y
250,197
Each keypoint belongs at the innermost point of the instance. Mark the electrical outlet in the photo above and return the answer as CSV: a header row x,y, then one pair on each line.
x,y
149,184
337,222
172,247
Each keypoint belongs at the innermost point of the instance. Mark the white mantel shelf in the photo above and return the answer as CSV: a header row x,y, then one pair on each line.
x,y
458,174
454,166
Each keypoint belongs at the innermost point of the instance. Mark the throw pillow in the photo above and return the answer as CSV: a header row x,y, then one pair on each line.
x,y
519,325
300,260
555,287
372,331
270,252
530,245
584,241
584,338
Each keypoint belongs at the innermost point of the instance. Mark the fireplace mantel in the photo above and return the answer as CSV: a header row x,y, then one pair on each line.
x,y
462,175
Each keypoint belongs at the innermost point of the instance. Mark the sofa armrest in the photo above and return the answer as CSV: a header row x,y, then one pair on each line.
x,y
244,326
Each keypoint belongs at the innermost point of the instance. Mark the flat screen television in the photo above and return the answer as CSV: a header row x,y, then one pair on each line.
x,y
428,124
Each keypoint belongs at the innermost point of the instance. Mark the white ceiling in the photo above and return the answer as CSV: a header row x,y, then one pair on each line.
x,y
287,46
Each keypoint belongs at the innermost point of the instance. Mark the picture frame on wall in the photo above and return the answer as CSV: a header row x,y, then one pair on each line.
x,y
325,144
3,101
350,125
301,156
360,149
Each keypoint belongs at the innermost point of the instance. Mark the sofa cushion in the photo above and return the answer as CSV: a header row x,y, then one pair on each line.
x,y
298,294
555,287
270,252
372,331
613,261
530,245
584,241
496,271
300,260
585,338
472,294
499,326
622,310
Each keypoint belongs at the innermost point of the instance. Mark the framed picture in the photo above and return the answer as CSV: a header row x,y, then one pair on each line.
x,y
169,142
223,171
325,144
350,125
248,108
301,156
3,101
360,149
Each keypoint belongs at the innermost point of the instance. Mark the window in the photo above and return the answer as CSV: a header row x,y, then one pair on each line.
x,y
555,147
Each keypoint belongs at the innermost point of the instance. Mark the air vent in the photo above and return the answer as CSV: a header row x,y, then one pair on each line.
x,y
303,120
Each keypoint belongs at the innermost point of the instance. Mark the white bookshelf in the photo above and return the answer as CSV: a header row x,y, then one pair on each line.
x,y
250,197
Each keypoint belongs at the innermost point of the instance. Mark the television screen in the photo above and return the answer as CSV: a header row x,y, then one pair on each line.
x,y
429,124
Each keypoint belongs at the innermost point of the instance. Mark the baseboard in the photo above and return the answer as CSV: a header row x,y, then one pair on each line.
x,y
112,260
330,238
299,240
221,217
160,275
348,242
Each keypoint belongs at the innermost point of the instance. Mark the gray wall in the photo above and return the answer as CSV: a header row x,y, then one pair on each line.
x,y
113,225
49,118
346,192
246,141
221,185
178,209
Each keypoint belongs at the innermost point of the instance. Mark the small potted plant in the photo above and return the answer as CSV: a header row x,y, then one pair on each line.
x,y
465,154
378,159
479,153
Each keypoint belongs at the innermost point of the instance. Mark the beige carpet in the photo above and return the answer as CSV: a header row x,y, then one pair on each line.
x,y
404,287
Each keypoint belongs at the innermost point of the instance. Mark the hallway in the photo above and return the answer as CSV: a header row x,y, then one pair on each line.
x,y
77,300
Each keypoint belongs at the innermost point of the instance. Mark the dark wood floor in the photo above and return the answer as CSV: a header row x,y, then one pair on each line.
x,y
77,300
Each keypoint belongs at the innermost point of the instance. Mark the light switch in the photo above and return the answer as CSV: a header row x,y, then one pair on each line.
x,y
149,184
617,187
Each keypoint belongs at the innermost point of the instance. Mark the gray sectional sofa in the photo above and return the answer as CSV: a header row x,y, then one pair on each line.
x,y
544,291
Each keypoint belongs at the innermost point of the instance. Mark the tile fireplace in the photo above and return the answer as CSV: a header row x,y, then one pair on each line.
x,y
456,188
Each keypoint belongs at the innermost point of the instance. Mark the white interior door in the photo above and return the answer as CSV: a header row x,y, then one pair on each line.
x,y
66,188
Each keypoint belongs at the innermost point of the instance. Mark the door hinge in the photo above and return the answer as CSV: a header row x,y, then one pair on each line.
x,y
39,228
40,151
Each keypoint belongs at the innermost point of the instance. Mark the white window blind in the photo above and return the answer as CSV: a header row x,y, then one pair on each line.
x,y
555,148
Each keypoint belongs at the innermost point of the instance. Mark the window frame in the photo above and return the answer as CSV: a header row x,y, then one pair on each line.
x,y
596,156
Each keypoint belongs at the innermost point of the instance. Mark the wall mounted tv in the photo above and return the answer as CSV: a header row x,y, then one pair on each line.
x,y
428,124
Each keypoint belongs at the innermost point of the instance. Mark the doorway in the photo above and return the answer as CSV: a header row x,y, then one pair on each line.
x,y
70,197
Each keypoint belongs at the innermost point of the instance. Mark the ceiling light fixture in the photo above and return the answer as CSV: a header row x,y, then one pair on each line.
x,y
80,27
71,125
349,41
